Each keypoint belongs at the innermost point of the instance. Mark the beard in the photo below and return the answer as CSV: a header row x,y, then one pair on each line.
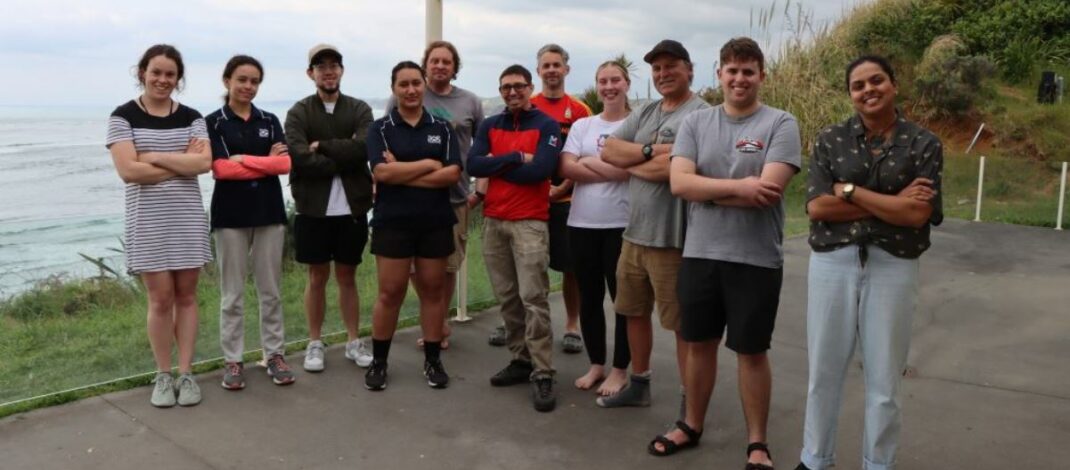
x,y
329,91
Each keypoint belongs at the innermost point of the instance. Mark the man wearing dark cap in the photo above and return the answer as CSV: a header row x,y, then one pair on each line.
x,y
332,191
654,239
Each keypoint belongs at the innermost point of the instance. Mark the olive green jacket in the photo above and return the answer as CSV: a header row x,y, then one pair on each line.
x,y
341,152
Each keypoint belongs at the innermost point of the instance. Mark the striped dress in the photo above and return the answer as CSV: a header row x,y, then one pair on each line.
x,y
166,227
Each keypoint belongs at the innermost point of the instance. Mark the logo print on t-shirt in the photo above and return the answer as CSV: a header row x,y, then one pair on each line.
x,y
553,141
749,145
602,141
434,139
264,133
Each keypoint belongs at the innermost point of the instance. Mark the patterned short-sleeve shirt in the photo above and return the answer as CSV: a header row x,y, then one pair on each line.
x,y
840,155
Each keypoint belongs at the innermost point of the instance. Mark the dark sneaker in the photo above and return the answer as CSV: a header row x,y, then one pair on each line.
x,y
375,377
542,394
517,372
232,376
436,374
498,337
802,466
279,370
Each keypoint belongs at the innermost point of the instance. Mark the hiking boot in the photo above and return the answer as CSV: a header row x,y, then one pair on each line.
x,y
636,393
517,372
279,370
498,337
542,394
232,376
189,393
314,356
163,394
356,352
375,378
436,374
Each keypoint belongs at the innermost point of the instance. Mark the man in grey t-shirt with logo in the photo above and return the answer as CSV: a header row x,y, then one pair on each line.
x,y
654,239
732,163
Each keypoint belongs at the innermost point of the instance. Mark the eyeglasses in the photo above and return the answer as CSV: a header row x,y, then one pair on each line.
x,y
518,87
327,67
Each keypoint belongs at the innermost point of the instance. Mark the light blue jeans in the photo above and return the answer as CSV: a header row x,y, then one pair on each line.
x,y
873,305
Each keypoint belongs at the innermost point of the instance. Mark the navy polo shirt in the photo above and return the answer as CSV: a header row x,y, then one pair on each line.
x,y
408,207
246,203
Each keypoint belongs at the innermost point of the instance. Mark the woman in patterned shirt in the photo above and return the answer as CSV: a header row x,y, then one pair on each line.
x,y
874,191
159,147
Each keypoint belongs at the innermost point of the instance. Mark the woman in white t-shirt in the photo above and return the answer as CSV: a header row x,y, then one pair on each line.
x,y
597,221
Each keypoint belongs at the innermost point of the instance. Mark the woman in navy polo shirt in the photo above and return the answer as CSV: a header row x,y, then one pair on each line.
x,y
415,158
248,218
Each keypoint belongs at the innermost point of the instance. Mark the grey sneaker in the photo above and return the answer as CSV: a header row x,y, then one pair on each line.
x,y
314,356
163,394
232,376
498,337
356,352
189,393
636,393
279,370
572,343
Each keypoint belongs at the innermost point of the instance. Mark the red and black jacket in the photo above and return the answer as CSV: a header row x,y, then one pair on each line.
x,y
516,190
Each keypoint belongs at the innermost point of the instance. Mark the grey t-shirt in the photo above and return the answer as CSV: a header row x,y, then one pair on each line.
x,y
724,147
464,110
656,218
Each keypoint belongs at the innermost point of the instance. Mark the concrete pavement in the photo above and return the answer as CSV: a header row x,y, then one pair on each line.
x,y
988,388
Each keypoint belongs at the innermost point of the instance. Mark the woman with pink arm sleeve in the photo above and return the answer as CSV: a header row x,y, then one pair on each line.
x,y
248,218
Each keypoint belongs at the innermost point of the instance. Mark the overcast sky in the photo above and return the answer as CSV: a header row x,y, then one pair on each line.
x,y
81,53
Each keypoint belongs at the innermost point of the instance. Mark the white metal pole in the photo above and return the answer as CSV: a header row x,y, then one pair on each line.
x,y
433,26
462,292
1062,197
975,137
980,186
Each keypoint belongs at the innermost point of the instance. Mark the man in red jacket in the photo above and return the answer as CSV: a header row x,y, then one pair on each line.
x,y
517,151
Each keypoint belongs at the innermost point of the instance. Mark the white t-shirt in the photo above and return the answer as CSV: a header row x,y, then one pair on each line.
x,y
596,205
337,204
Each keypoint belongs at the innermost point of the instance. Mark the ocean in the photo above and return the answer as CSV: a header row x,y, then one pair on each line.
x,y
60,196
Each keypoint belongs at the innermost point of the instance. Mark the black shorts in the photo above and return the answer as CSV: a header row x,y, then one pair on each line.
x,y
560,255
339,238
715,294
412,243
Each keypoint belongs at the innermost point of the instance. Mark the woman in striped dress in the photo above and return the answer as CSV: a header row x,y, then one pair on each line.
x,y
159,147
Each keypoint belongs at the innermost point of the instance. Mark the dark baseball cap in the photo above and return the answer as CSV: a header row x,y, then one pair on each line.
x,y
670,47
320,50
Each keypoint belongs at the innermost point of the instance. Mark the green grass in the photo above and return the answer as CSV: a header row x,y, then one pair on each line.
x,y
69,334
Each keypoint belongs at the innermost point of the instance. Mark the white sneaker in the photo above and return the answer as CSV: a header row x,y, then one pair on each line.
x,y
356,352
314,356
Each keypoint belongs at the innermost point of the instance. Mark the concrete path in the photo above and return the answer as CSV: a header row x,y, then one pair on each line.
x,y
988,388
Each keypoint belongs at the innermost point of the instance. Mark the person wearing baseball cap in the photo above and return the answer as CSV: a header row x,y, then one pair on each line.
x,y
653,240
332,190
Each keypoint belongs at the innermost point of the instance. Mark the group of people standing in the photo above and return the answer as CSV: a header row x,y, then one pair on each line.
x,y
675,208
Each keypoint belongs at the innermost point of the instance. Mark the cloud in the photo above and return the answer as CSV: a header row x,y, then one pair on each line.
x,y
76,52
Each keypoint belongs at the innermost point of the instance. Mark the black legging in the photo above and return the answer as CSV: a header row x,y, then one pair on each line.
x,y
594,261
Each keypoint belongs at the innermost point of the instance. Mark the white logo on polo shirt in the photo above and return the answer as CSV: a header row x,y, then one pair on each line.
x,y
434,139
264,133
553,141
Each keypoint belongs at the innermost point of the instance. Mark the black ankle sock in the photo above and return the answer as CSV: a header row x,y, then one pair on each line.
x,y
431,350
381,349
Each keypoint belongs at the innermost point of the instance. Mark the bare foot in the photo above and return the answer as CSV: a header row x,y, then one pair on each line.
x,y
614,383
592,377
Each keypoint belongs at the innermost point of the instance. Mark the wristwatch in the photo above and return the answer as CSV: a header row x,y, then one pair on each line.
x,y
648,152
848,191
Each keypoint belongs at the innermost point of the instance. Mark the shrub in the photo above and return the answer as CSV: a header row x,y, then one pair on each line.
x,y
57,295
948,83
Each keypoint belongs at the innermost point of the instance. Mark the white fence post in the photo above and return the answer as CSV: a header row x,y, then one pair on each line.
x,y
980,186
1062,197
462,292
